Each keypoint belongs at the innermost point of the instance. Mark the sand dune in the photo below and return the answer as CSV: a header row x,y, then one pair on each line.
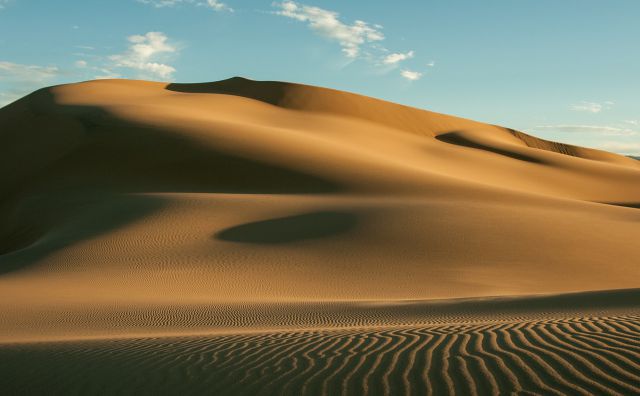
x,y
135,214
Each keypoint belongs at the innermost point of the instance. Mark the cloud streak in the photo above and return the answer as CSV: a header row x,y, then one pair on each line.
x,y
596,129
215,5
411,75
27,73
394,59
626,148
592,107
351,37
359,39
18,79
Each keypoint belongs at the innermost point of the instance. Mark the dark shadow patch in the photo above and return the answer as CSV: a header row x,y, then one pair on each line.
x,y
633,205
50,223
145,159
100,164
272,92
546,145
458,140
125,156
288,229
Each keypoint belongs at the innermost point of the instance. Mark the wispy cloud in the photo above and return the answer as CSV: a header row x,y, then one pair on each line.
x,y
146,54
26,73
626,148
161,3
215,5
351,37
395,58
595,129
615,138
18,79
8,97
4,3
592,107
358,40
411,75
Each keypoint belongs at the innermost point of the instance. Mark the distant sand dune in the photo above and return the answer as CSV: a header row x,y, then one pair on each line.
x,y
264,237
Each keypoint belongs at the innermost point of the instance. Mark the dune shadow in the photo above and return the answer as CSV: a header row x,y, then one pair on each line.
x,y
271,92
140,157
632,205
458,140
65,221
313,225
112,159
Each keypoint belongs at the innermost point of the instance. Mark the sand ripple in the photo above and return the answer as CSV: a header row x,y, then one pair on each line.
x,y
577,356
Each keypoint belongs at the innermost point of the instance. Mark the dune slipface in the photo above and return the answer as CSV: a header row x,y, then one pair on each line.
x,y
244,237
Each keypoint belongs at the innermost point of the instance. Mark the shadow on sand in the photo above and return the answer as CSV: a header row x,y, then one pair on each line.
x,y
288,229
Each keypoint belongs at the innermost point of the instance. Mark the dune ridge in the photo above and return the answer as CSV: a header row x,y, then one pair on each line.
x,y
352,244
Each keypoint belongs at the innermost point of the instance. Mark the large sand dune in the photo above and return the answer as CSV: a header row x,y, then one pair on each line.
x,y
249,219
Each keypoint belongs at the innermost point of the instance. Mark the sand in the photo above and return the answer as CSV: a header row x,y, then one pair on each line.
x,y
246,237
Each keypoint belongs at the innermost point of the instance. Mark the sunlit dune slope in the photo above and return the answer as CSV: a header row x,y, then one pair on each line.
x,y
133,192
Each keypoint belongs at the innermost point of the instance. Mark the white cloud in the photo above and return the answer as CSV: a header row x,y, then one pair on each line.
x,y
431,64
145,54
326,23
411,75
626,148
17,80
358,39
213,4
27,73
597,129
217,5
395,58
80,64
592,107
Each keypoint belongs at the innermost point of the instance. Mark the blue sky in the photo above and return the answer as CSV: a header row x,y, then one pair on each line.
x,y
567,70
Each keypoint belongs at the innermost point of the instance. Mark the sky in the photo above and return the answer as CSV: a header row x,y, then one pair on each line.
x,y
565,70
